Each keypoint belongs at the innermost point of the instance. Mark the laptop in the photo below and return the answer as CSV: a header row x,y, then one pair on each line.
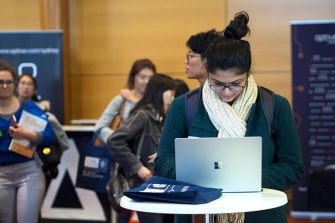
x,y
232,164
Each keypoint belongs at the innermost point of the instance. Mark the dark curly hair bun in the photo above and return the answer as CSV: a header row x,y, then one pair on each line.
x,y
238,28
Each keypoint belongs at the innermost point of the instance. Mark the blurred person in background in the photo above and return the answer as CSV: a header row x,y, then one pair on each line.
x,y
195,61
141,72
140,135
22,182
27,88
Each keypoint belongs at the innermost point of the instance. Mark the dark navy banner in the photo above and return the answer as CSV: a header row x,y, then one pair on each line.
x,y
313,80
38,53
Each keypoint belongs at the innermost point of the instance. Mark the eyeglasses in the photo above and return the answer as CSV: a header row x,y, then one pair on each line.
x,y
6,82
190,56
219,86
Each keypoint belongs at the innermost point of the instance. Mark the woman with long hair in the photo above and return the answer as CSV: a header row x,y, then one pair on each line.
x,y
133,145
140,73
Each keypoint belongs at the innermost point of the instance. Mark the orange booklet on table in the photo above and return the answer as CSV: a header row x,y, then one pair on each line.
x,y
30,122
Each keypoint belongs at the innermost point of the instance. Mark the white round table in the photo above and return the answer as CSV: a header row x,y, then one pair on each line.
x,y
227,203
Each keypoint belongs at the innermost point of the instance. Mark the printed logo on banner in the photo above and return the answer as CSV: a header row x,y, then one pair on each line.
x,y
96,163
88,206
40,54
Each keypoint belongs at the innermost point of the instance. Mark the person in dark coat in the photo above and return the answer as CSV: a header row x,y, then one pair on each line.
x,y
134,144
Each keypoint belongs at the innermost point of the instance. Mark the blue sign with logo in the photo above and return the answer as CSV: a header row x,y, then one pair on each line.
x,y
40,54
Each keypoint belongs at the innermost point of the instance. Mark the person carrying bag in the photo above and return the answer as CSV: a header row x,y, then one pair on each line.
x,y
133,145
140,73
119,181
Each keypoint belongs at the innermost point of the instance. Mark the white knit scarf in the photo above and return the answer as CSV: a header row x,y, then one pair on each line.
x,y
230,121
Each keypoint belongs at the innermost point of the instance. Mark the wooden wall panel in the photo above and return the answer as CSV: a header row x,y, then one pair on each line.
x,y
20,15
279,82
108,35
87,93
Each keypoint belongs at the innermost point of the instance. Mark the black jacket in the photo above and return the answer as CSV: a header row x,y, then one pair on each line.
x,y
124,143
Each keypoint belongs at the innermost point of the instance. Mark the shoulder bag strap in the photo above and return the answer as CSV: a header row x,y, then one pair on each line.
x,y
191,104
268,106
145,129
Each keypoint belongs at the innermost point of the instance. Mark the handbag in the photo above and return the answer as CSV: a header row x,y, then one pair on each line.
x,y
94,167
119,182
50,157
168,190
116,185
116,122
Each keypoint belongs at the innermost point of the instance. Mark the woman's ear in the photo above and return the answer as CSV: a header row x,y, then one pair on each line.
x,y
204,62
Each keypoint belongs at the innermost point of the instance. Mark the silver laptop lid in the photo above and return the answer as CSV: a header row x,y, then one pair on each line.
x,y
233,164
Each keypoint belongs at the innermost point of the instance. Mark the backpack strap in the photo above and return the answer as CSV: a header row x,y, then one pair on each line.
x,y
191,104
268,106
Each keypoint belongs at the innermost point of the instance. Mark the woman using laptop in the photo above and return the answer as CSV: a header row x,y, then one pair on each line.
x,y
229,105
